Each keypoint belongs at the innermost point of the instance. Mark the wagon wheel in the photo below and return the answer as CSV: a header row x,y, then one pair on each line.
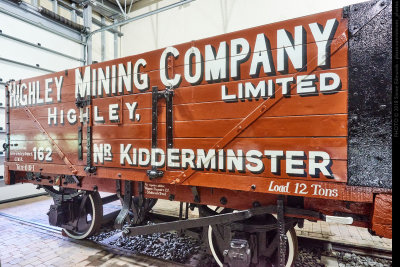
x,y
89,214
84,213
216,244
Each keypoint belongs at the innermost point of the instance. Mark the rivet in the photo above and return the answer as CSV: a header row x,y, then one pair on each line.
x,y
223,200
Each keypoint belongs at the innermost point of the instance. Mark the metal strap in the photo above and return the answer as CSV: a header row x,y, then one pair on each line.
x,y
154,113
169,118
89,166
154,173
80,137
156,95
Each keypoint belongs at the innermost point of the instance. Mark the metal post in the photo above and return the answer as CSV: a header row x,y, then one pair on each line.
x,y
103,41
281,231
115,43
55,6
73,13
87,22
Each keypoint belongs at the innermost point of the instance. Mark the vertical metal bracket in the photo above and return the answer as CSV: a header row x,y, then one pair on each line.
x,y
195,192
6,145
82,103
119,221
80,137
156,95
169,117
139,205
281,231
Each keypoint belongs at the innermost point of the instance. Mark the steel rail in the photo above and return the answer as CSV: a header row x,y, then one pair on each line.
x,y
49,228
39,46
23,197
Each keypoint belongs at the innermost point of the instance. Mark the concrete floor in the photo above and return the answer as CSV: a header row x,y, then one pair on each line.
x,y
17,190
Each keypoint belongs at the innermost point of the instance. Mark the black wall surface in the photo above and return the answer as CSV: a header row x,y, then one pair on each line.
x,y
370,94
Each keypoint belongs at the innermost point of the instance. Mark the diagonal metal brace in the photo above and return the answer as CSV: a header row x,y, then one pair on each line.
x,y
127,203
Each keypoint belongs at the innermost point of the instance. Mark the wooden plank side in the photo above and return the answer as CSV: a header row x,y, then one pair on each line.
x,y
313,124
293,105
40,151
290,126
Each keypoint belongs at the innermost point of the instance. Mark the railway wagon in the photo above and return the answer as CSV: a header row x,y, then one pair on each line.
x,y
258,129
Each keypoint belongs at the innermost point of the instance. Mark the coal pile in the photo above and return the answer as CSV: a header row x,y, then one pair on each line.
x,y
167,246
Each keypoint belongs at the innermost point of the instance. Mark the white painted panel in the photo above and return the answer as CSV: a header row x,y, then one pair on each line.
x,y
25,31
21,52
1,168
205,18
10,71
96,45
2,122
2,96
109,46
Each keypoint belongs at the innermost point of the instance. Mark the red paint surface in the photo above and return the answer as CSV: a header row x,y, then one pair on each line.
x,y
382,216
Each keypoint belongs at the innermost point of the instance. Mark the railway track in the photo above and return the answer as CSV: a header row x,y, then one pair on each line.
x,y
23,197
49,228
329,245
111,241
